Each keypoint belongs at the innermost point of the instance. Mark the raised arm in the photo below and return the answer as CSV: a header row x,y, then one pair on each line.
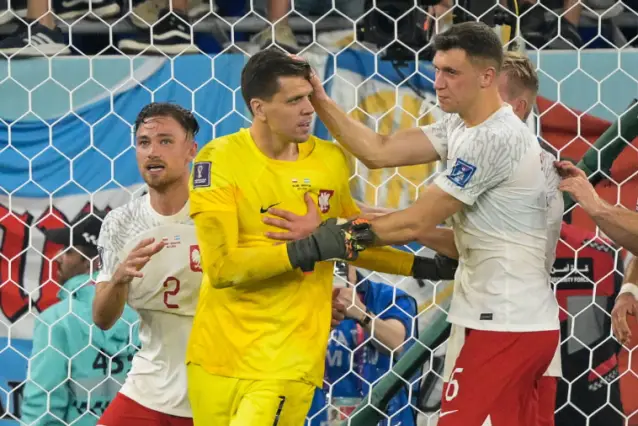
x,y
618,223
402,148
112,283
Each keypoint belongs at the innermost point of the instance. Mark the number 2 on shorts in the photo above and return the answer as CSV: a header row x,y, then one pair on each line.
x,y
453,386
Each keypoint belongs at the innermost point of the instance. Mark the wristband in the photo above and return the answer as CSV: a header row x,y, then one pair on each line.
x,y
629,288
366,319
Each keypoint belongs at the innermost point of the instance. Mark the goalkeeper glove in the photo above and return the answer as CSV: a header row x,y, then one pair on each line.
x,y
439,268
333,239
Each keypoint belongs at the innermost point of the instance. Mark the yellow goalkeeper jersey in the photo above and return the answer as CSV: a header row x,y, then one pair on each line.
x,y
257,318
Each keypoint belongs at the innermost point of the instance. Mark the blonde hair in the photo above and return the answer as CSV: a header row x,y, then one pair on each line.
x,y
521,73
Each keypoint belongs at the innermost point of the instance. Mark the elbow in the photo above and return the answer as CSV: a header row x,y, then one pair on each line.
x,y
375,157
100,319
373,163
102,323
217,279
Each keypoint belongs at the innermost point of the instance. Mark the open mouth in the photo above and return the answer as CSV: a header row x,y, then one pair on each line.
x,y
154,168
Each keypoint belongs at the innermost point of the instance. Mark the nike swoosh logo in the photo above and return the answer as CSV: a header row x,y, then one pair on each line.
x,y
264,210
445,413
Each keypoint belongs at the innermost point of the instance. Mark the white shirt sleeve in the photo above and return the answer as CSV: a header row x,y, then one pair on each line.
x,y
107,251
479,165
438,134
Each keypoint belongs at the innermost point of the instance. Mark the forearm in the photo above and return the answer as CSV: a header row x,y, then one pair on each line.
x,y
618,223
108,303
387,334
363,142
431,209
631,274
387,260
399,228
441,240
246,265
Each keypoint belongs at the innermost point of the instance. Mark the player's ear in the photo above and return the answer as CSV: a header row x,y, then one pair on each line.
x,y
192,150
257,107
488,77
521,107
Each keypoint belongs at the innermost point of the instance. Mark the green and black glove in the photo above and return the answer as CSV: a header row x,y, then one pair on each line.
x,y
333,239
438,268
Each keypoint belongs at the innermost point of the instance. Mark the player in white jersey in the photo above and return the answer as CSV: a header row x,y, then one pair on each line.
x,y
150,260
518,86
493,193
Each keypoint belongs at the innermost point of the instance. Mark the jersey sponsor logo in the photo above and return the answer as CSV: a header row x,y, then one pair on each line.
x,y
323,200
201,174
264,210
461,173
195,259
446,413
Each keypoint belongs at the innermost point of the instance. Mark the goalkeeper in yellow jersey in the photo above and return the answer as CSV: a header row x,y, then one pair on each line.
x,y
259,338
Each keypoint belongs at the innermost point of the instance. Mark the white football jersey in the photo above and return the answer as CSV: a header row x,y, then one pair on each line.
x,y
494,168
165,298
556,208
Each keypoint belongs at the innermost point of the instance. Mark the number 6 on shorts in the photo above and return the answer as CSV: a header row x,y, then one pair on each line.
x,y
453,386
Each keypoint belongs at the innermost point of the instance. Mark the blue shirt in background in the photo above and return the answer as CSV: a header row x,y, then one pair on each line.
x,y
368,361
66,345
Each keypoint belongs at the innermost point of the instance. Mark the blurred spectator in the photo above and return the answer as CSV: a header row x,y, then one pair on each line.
x,y
168,31
276,11
146,13
75,368
542,32
41,37
354,353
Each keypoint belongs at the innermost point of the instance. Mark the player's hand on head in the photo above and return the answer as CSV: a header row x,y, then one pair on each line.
x,y
318,90
297,227
626,304
136,260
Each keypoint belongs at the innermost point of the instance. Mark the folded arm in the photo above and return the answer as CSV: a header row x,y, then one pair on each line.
x,y
224,263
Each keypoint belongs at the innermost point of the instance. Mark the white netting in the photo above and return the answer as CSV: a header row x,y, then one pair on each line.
x,y
66,141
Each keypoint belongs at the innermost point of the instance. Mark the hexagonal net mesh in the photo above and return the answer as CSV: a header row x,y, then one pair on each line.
x,y
75,74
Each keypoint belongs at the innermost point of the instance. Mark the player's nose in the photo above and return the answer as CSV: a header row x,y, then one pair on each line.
x,y
439,81
306,107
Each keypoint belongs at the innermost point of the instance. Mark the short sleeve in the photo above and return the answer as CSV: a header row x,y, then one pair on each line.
x,y
401,307
478,165
107,252
212,187
438,134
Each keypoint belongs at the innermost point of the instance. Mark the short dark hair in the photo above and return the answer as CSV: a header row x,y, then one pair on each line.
x,y
184,117
260,76
477,39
